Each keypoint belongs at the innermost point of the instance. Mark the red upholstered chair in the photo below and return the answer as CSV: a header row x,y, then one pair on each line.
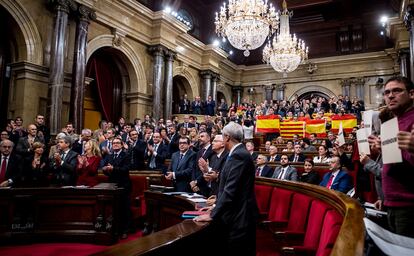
x,y
298,218
330,230
263,193
139,185
312,234
279,208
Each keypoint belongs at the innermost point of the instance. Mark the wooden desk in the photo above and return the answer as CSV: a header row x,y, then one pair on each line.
x,y
59,214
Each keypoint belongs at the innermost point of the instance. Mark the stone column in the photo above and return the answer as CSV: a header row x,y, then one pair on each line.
x,y
360,87
409,23
214,82
269,92
79,65
157,52
280,91
168,83
346,87
403,55
57,60
237,94
206,76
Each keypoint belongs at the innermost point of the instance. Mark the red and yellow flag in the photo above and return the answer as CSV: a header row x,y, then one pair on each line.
x,y
348,122
268,124
317,126
290,128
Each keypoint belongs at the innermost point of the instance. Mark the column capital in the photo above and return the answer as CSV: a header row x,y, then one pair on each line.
x,y
358,80
408,16
345,82
63,5
206,74
85,13
170,55
280,87
237,88
157,50
269,87
215,77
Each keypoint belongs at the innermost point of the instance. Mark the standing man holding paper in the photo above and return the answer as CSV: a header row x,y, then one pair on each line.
x,y
397,178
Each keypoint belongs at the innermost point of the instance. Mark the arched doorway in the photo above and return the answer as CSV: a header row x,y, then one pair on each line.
x,y
307,92
312,94
220,96
10,51
181,86
104,95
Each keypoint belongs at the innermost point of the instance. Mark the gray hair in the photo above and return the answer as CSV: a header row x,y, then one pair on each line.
x,y
67,140
234,131
60,135
87,131
6,140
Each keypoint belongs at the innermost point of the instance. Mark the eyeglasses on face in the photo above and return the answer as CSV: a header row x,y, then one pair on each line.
x,y
394,91
182,143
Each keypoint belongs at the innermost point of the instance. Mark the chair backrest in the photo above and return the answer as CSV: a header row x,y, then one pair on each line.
x,y
330,230
315,221
299,212
280,204
263,193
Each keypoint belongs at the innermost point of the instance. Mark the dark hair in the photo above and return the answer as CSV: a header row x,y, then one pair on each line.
x,y
306,141
403,80
185,138
309,161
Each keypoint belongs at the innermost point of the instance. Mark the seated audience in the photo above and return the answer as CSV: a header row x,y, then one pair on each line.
x,y
323,157
262,169
285,171
337,179
289,147
273,156
297,156
250,148
307,146
309,175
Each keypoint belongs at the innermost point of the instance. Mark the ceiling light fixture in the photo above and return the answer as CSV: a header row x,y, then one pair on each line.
x,y
246,23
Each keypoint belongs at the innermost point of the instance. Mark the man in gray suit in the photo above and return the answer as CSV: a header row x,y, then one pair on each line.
x,y
285,171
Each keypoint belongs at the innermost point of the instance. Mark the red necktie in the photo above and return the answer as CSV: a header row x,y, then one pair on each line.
x,y
3,169
328,185
258,171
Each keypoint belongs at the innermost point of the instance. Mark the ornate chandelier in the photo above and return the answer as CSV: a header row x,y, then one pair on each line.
x,y
285,52
246,23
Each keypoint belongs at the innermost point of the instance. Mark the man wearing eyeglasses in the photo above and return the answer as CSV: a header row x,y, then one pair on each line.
x,y
397,178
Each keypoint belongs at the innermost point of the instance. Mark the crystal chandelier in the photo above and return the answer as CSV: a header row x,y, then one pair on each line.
x,y
285,52
246,23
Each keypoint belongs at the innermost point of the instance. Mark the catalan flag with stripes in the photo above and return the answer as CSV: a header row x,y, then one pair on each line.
x,y
348,122
317,126
290,128
268,124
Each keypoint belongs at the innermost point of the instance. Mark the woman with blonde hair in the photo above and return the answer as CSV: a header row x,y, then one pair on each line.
x,y
88,163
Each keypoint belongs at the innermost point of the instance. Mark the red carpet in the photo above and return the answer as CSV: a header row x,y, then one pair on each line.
x,y
58,249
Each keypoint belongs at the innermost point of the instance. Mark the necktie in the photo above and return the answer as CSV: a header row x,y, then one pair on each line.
x,y
258,171
296,158
282,174
63,156
152,162
3,169
328,185
181,156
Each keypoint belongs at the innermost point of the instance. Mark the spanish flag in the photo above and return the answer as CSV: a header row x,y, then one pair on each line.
x,y
317,126
348,122
268,124
290,128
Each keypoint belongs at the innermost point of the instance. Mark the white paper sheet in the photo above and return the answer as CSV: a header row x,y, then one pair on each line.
x,y
389,144
367,118
341,137
363,145
388,242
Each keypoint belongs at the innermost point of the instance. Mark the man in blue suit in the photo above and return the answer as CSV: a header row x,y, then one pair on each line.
x,y
210,106
182,166
337,179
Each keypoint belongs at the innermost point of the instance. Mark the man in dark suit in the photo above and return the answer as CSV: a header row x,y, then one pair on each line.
x,y
136,151
204,152
235,212
182,166
285,171
297,156
63,163
10,164
210,106
186,123
24,146
262,169
156,153
197,106
273,156
211,169
116,166
337,179
78,145
42,130
250,148
184,105
172,139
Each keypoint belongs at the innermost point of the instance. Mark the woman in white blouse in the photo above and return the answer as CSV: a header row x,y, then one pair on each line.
x,y
323,157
